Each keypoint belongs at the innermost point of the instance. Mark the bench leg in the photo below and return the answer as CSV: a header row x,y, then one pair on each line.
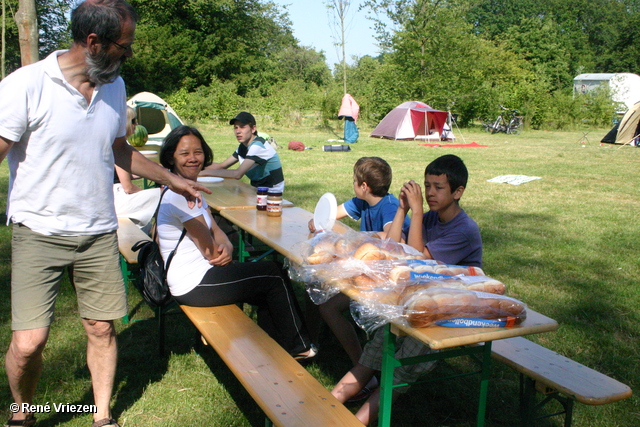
x,y
527,400
161,321
529,408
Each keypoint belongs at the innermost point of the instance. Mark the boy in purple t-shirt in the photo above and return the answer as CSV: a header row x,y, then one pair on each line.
x,y
445,233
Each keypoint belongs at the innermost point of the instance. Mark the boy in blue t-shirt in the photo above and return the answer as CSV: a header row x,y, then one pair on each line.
x,y
376,209
445,233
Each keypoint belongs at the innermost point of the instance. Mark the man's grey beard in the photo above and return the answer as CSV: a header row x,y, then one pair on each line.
x,y
101,69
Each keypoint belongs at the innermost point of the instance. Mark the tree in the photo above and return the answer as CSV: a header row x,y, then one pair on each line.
x,y
27,23
195,42
340,9
52,29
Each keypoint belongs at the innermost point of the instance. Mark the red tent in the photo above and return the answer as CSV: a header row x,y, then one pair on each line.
x,y
412,120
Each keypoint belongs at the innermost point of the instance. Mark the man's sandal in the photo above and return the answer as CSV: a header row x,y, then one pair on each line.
x,y
28,422
105,422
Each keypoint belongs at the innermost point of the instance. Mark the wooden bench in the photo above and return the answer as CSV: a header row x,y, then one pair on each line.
x,y
286,392
557,377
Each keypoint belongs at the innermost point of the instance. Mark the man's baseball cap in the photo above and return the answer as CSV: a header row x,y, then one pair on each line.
x,y
244,117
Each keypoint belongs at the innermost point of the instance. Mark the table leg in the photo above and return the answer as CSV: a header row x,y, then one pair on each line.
x,y
484,383
389,363
242,253
126,275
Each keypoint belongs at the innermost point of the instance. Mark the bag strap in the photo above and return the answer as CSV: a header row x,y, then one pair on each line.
x,y
154,233
173,252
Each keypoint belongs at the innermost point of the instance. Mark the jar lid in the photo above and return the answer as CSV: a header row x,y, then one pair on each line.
x,y
263,188
274,191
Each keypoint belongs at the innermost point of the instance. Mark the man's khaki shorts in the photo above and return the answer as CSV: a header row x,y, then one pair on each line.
x,y
38,263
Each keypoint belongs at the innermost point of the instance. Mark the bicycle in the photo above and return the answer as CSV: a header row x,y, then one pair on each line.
x,y
509,125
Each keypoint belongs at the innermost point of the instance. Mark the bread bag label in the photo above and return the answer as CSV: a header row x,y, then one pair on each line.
x,y
427,276
462,322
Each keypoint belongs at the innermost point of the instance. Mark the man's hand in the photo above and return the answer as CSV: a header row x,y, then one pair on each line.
x,y
189,189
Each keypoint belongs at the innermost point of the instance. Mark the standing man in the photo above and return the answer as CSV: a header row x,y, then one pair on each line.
x,y
258,159
62,127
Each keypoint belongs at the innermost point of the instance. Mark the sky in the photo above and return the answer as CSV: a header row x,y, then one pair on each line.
x,y
311,26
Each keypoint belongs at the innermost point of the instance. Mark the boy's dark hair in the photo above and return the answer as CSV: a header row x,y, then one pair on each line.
x,y
171,141
376,172
452,166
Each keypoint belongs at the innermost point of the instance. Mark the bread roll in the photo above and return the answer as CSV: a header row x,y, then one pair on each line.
x,y
455,270
490,286
321,257
400,274
369,252
364,282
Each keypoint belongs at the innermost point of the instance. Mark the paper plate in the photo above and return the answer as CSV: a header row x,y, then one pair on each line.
x,y
210,179
325,214
148,152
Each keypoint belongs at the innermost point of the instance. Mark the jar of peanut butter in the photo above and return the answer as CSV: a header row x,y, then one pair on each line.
x,y
274,203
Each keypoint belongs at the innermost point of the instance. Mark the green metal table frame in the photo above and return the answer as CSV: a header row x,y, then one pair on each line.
x,y
389,363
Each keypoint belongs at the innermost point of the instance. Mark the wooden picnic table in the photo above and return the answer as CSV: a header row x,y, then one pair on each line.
x,y
284,233
233,194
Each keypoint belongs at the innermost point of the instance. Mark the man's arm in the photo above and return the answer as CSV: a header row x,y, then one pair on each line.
x,y
5,146
132,161
230,173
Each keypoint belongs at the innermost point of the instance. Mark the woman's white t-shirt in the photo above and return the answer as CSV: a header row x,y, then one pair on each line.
x,y
188,265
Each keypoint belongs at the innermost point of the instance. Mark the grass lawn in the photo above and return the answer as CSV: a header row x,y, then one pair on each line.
x,y
567,245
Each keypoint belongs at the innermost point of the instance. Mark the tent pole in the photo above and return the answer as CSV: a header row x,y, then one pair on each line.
x,y
457,127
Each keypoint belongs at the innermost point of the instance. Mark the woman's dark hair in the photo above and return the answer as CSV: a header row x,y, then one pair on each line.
x,y
171,141
101,17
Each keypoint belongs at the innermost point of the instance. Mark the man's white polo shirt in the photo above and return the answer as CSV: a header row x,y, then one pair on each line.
x,y
62,164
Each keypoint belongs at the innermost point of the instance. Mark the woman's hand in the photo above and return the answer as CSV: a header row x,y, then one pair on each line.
x,y
223,248
224,252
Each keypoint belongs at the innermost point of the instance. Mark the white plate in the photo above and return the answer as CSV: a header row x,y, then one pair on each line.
x,y
210,179
324,215
148,152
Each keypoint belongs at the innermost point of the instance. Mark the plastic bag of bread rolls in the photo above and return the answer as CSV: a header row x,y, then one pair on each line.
x,y
326,246
428,306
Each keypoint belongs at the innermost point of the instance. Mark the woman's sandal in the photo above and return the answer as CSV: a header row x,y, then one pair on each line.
x,y
27,422
308,355
105,422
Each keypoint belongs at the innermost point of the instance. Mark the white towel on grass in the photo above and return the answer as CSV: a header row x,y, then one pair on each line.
x,y
513,179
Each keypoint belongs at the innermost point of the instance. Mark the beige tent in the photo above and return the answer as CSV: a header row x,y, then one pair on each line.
x,y
155,115
629,125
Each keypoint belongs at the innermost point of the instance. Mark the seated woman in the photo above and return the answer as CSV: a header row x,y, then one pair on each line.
x,y
202,273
